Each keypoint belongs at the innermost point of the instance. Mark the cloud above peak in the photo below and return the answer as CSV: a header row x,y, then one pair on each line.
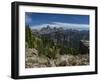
x,y
64,25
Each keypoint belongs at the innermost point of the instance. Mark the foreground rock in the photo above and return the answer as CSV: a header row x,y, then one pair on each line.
x,y
33,60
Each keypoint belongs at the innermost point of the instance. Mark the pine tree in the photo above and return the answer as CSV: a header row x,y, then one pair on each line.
x,y
28,36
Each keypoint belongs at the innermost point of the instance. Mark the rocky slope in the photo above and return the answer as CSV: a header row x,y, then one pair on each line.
x,y
32,60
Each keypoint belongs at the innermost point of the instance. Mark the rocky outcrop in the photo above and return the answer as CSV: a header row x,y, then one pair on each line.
x,y
84,47
33,60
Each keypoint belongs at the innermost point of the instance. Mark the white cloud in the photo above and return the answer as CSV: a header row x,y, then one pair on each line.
x,y
64,25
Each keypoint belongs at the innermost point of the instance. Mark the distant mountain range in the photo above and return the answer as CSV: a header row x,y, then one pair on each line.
x,y
62,25
62,36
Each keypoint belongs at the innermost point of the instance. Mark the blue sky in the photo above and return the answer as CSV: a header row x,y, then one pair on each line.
x,y
39,19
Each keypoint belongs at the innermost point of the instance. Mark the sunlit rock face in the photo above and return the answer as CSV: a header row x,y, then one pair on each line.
x,y
33,60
